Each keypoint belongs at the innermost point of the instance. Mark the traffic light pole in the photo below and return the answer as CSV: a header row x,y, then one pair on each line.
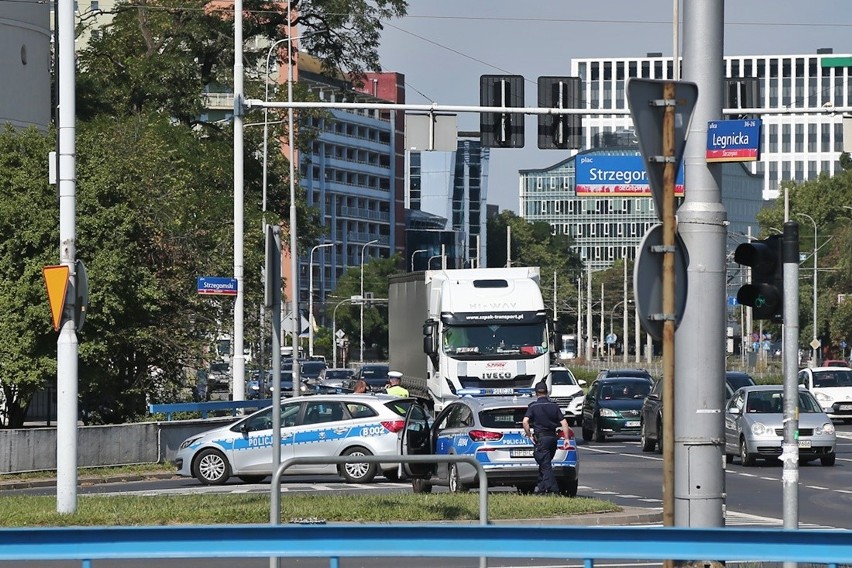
x,y
790,447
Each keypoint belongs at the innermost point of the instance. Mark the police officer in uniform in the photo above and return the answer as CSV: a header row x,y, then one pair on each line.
x,y
393,387
541,420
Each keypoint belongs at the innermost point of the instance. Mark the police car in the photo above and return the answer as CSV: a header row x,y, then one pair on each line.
x,y
320,425
490,429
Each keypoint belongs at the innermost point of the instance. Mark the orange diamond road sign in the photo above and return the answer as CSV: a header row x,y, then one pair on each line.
x,y
56,280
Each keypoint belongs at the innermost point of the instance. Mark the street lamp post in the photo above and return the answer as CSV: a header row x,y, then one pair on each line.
x,y
294,257
814,343
412,257
311,299
363,248
611,312
334,328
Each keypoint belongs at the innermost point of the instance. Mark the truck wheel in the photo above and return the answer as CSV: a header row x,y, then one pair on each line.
x,y
211,467
358,472
421,486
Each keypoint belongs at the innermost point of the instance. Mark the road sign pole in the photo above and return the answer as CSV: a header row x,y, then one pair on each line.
x,y
790,447
669,228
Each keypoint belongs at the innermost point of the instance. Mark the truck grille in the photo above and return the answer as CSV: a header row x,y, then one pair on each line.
x,y
519,382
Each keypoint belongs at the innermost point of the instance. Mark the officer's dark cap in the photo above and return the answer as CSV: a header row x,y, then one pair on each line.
x,y
541,387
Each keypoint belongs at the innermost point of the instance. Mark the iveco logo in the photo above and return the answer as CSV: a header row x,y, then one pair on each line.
x,y
501,375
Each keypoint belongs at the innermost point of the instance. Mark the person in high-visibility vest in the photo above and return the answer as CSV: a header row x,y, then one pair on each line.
x,y
394,387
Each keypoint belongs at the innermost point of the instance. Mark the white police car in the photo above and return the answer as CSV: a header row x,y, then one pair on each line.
x,y
490,429
320,425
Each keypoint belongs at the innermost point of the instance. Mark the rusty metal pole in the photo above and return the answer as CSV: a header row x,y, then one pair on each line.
x,y
669,231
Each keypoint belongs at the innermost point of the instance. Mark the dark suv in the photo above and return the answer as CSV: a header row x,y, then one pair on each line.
x,y
642,373
374,374
612,406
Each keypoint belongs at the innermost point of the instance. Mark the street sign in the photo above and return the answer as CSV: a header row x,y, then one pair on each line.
x,y
815,344
648,281
647,107
56,280
611,339
217,285
733,140
339,334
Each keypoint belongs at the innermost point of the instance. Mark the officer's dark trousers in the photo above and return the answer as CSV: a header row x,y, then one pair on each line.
x,y
545,449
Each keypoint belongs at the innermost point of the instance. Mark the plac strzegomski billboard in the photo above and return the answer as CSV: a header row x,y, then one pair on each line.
x,y
624,176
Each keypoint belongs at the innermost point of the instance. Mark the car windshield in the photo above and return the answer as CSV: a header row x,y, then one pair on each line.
x,y
312,368
835,378
334,374
562,378
738,380
505,418
475,341
772,402
375,373
623,390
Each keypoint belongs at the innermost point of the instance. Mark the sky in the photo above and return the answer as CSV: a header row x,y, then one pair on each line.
x,y
443,46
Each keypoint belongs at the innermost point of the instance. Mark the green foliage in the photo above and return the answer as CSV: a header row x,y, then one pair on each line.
x,y
822,199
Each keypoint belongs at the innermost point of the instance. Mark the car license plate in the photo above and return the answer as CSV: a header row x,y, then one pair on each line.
x,y
804,443
631,424
844,407
521,453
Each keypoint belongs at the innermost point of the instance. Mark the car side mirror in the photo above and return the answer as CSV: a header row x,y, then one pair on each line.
x,y
734,410
581,382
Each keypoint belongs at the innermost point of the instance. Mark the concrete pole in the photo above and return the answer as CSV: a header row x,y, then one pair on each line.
x,y
66,346
624,341
601,341
238,386
700,364
588,313
790,446
579,316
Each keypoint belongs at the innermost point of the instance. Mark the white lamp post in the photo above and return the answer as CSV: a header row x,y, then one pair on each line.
x,y
815,340
412,257
363,248
334,328
311,299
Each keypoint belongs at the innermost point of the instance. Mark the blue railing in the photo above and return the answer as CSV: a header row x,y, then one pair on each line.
x,y
426,541
205,407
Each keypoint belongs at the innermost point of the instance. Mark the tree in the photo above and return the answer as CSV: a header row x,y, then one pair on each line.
x,y
376,274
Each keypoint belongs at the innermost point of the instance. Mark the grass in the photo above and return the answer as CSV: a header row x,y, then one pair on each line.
x,y
208,509
129,510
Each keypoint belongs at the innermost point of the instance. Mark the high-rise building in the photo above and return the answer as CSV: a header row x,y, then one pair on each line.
x,y
795,147
452,186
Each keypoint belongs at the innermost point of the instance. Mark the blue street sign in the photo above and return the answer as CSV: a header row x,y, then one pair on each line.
x,y
217,285
732,301
733,140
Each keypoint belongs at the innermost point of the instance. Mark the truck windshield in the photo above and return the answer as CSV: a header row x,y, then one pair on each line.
x,y
496,340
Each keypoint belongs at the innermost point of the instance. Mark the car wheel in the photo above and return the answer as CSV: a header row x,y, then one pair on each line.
x,y
251,478
587,433
456,486
828,460
648,444
599,434
747,458
421,486
526,488
569,488
211,467
358,472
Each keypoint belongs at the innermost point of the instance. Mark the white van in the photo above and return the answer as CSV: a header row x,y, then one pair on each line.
x,y
567,392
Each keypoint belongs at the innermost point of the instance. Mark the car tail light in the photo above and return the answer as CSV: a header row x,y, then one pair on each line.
x,y
484,436
570,433
393,426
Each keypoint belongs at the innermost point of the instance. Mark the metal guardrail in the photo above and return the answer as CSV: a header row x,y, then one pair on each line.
x,y
275,486
447,540
205,407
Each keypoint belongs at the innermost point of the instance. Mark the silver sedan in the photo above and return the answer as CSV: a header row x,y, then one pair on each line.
x,y
754,426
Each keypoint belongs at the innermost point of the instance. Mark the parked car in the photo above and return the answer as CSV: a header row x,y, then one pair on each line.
x,y
754,426
374,374
335,380
613,406
835,363
489,429
651,431
567,392
832,387
311,370
629,372
321,425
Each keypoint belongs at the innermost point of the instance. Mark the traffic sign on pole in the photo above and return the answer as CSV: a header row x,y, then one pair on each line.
x,y
56,280
647,107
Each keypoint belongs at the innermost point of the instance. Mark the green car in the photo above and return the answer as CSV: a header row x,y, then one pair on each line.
x,y
613,406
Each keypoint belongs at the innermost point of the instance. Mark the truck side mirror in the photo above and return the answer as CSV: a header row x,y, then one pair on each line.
x,y
429,347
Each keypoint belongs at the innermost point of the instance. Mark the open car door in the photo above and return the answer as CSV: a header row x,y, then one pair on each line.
x,y
416,440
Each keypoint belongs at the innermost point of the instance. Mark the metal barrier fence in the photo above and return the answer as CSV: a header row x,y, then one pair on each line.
x,y
425,541
204,407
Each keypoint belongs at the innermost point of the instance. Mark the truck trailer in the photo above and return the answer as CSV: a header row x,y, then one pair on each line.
x,y
480,329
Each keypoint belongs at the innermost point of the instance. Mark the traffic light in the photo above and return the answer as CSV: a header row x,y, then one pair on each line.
x,y
765,293
501,129
560,131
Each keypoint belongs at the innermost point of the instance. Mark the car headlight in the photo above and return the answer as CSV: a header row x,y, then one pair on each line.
x,y
760,429
188,442
608,412
824,399
827,428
